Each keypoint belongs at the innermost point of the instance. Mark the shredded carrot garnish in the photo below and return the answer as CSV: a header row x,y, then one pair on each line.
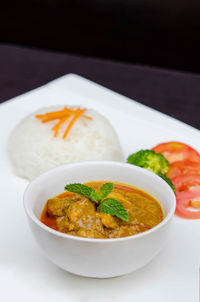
x,y
62,116
57,126
59,113
48,119
73,120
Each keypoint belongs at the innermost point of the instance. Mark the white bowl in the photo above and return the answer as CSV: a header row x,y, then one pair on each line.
x,y
99,258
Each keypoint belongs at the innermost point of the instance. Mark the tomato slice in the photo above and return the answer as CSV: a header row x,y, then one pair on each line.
x,y
182,168
175,151
187,195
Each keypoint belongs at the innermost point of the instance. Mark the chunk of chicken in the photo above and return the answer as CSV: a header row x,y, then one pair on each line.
x,y
64,225
108,221
57,206
81,208
84,215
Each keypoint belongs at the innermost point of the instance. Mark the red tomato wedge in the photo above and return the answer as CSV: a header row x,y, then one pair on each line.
x,y
175,151
187,195
182,168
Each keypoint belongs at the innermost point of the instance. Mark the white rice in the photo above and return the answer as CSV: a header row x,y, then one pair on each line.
x,y
33,149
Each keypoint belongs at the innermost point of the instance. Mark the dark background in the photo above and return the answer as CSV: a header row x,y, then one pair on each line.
x,y
147,50
150,32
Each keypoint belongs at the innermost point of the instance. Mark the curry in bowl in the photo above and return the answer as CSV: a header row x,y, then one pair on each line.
x,y
125,211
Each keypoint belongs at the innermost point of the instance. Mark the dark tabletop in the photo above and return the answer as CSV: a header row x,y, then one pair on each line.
x,y
174,93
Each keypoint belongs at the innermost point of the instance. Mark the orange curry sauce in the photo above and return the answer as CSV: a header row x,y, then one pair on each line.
x,y
82,219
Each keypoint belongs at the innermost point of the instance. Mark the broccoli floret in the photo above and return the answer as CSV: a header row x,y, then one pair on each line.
x,y
168,180
148,159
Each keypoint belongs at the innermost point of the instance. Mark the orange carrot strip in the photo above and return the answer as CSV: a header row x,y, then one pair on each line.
x,y
76,116
40,116
82,115
49,114
46,116
87,117
57,126
48,119
54,113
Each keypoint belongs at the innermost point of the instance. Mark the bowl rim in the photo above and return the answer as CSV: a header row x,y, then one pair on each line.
x,y
33,217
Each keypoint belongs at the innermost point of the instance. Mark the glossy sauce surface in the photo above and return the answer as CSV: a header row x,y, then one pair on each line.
x,y
76,215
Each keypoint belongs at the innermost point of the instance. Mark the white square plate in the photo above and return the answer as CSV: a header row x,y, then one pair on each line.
x,y
26,274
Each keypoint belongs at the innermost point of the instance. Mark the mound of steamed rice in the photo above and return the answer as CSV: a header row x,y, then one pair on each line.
x,y
33,149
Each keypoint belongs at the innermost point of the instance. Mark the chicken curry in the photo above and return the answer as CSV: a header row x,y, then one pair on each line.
x,y
77,215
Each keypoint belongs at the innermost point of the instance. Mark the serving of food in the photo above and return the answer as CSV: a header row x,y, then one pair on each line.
x,y
102,210
94,219
58,135
106,177
98,209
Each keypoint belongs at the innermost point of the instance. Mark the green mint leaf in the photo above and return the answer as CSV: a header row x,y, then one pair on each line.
x,y
106,189
83,190
114,207
79,189
94,196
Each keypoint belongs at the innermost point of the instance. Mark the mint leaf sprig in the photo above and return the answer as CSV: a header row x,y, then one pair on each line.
x,y
83,190
114,207
109,206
